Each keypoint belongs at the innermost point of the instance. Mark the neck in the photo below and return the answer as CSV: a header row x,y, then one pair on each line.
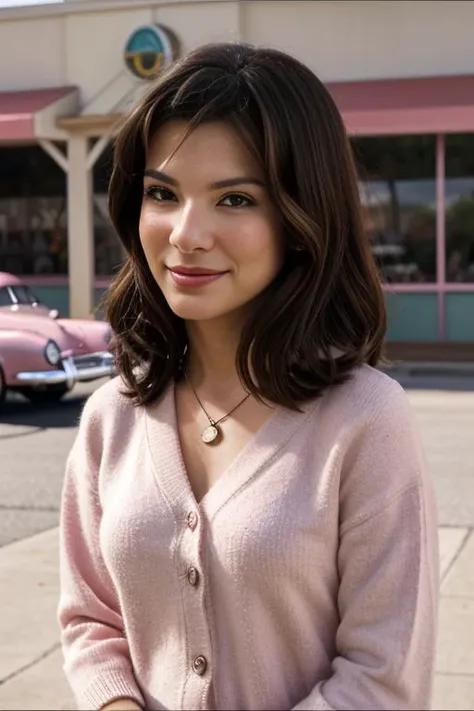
x,y
211,361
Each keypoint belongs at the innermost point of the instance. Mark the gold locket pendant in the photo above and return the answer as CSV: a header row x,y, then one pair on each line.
x,y
211,434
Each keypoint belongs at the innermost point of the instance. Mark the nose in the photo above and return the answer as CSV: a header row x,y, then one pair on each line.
x,y
191,230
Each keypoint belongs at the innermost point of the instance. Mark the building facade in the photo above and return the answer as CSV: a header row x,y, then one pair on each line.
x,y
402,74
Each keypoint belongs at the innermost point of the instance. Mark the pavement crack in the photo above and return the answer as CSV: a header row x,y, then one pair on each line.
x,y
31,664
458,553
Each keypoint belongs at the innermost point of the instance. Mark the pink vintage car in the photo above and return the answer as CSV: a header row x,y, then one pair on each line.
x,y
41,355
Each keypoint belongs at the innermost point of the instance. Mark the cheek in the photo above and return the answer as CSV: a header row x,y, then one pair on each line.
x,y
153,232
261,245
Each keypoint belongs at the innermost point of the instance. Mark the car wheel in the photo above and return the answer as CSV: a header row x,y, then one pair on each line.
x,y
53,393
3,388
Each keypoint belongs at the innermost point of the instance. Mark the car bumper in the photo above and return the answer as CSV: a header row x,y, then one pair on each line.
x,y
75,369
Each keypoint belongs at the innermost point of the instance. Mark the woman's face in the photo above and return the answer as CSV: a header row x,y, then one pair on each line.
x,y
207,225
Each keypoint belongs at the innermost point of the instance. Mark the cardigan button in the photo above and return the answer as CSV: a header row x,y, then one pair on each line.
x,y
192,520
193,576
200,665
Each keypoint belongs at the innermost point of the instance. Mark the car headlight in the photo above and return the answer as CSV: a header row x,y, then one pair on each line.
x,y
52,353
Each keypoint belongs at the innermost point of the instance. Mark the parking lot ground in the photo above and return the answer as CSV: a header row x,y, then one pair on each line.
x,y
30,658
31,676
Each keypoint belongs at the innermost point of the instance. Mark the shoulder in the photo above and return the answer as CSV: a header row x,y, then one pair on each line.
x,y
384,393
108,414
368,397
108,400
375,438
110,394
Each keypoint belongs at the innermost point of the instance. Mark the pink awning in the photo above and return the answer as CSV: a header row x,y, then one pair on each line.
x,y
19,108
403,106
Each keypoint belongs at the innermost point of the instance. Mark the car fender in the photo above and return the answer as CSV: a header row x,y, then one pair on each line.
x,y
38,325
21,350
94,335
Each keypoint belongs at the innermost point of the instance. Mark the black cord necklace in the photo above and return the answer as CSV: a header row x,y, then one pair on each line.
x,y
212,434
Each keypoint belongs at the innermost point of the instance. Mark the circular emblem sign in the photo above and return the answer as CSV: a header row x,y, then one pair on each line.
x,y
149,50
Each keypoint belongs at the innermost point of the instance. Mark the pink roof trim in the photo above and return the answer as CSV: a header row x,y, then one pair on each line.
x,y
377,107
400,106
18,108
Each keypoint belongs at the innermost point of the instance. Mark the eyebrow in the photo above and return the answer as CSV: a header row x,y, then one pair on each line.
x,y
218,185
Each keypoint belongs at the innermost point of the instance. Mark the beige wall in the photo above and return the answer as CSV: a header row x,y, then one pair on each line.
x,y
340,40
94,44
348,39
31,54
85,49
202,22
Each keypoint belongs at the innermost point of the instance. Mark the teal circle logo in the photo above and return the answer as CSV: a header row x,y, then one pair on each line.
x,y
148,50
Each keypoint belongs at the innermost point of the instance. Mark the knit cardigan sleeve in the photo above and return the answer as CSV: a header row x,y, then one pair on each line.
x,y
97,659
388,570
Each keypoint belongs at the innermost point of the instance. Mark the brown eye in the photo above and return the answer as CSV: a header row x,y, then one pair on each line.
x,y
236,200
159,194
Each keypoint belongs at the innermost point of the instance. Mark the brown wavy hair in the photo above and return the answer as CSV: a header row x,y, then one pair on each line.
x,y
324,313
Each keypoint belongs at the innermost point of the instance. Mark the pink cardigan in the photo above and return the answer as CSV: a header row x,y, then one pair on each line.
x,y
307,578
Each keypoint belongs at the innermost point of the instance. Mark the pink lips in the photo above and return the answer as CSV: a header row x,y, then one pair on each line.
x,y
184,276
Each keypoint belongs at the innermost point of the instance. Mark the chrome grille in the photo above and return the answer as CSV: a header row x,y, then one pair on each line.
x,y
88,361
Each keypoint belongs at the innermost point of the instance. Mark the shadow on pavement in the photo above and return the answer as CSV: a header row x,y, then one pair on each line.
x,y
18,411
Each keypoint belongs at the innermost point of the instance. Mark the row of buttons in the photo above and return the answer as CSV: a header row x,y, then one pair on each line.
x,y
200,662
193,575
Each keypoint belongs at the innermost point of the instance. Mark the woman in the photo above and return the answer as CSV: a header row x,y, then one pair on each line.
x,y
247,519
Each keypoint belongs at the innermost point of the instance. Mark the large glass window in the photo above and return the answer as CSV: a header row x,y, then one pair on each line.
x,y
398,191
33,215
33,223
459,206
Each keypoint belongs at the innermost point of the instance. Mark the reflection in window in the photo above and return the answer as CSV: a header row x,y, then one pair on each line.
x,y
398,192
33,235
33,215
459,206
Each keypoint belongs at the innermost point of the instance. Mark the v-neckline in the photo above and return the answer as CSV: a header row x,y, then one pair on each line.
x,y
167,455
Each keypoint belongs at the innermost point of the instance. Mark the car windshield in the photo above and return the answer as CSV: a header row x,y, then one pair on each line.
x,y
5,297
23,295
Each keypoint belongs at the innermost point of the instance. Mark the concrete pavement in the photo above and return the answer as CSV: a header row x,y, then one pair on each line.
x,y
454,682
34,443
30,658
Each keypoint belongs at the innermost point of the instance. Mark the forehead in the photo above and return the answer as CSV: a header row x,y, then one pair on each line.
x,y
210,146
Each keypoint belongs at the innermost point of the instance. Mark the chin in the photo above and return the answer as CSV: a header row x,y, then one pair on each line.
x,y
194,309
195,312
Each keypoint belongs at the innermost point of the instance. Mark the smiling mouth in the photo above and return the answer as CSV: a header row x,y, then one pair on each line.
x,y
194,271
194,277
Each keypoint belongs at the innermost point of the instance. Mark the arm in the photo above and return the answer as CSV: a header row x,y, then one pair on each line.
x,y
97,658
388,567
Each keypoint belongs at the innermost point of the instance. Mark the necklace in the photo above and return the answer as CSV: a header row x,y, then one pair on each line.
x,y
213,433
